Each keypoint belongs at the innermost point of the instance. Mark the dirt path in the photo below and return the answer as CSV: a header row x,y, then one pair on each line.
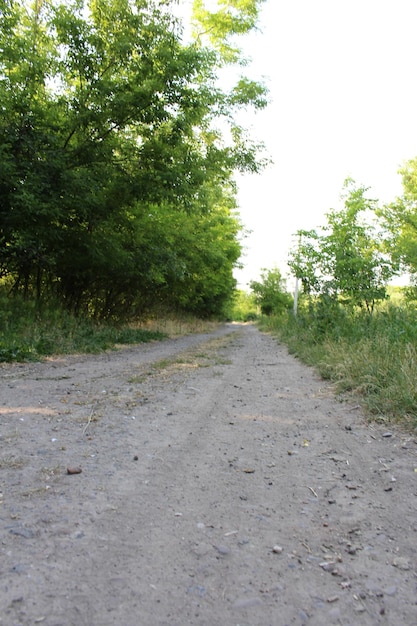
x,y
221,485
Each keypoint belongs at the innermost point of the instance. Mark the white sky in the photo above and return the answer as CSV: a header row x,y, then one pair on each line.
x,y
343,89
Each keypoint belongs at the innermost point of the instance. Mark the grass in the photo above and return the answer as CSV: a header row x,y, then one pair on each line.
x,y
30,334
189,359
370,358
177,326
12,462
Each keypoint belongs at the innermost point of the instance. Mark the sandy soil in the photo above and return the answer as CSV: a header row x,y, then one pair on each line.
x,y
221,484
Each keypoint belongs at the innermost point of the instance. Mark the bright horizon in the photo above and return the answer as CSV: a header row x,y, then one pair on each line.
x,y
343,103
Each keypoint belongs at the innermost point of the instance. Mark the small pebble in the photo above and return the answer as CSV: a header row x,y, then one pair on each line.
x,y
27,533
74,470
197,590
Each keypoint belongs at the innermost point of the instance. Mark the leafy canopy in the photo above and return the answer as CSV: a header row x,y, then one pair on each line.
x,y
118,149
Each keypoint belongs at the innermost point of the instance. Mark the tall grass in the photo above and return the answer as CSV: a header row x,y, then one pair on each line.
x,y
28,332
178,325
371,357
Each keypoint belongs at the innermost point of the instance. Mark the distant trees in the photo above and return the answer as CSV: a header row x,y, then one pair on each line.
x,y
117,153
347,260
270,292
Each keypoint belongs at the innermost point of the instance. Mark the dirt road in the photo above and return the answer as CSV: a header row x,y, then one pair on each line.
x,y
221,485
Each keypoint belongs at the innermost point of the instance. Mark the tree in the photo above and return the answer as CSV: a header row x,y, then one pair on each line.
x,y
400,219
108,120
304,260
270,292
346,261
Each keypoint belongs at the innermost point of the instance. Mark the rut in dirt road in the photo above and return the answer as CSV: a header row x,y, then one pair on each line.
x,y
222,484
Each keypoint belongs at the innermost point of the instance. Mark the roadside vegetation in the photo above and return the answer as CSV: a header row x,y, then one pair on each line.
x,y
119,148
30,333
348,322
118,152
373,358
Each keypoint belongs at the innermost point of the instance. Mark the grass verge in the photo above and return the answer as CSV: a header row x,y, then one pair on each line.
x,y
29,334
370,358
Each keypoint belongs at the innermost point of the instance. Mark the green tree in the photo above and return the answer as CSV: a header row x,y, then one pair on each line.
x,y
271,292
108,120
346,261
305,259
400,219
243,308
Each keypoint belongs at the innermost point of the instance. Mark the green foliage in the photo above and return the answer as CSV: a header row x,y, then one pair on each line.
x,y
400,219
346,261
243,307
270,292
28,333
116,186
232,17
372,358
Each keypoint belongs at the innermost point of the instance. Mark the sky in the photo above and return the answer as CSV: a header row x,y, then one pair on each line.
x,y
343,103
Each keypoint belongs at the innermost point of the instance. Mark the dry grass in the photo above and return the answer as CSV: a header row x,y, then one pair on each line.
x,y
12,462
371,369
206,355
174,327
373,359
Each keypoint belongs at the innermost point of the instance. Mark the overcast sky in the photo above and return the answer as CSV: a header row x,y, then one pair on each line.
x,y
342,80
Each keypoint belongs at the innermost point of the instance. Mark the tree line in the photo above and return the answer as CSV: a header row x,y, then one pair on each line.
x,y
353,257
118,149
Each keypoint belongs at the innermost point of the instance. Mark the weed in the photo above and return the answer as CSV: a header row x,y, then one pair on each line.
x,y
12,462
373,358
51,472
